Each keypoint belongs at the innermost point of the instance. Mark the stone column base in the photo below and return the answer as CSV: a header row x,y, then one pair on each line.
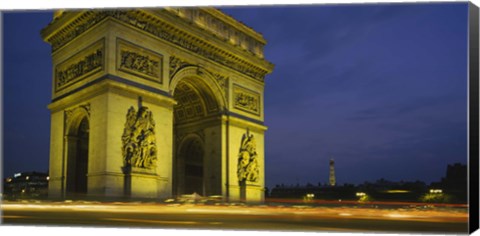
x,y
141,183
254,193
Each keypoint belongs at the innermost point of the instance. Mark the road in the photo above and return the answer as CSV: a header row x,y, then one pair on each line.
x,y
261,217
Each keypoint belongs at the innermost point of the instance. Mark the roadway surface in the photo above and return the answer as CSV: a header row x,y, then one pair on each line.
x,y
221,216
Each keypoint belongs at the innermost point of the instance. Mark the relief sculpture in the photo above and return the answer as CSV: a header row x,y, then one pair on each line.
x,y
139,63
139,145
246,100
89,63
247,169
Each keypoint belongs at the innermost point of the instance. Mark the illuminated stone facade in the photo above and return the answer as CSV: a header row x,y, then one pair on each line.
x,y
156,103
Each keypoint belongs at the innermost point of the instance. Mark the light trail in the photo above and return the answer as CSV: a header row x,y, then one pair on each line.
x,y
219,211
153,221
399,216
279,217
343,212
349,202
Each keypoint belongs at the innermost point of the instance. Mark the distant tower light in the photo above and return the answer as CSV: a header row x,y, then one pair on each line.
x,y
332,173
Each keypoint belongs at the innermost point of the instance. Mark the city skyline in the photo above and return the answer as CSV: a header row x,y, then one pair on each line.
x,y
338,91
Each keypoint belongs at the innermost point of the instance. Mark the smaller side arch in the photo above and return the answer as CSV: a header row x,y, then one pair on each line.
x,y
77,147
74,117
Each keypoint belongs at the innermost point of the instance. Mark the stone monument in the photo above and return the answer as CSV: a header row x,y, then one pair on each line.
x,y
156,103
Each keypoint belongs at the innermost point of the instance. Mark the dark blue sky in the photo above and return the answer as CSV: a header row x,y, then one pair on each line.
x,y
380,88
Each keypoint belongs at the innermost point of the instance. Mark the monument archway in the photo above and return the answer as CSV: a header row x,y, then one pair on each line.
x,y
77,142
156,103
189,167
197,133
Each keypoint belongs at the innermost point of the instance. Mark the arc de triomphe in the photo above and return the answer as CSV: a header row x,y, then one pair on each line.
x,y
156,103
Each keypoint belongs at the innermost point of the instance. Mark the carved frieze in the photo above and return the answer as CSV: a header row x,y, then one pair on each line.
x,y
139,145
139,61
160,29
247,168
79,66
246,100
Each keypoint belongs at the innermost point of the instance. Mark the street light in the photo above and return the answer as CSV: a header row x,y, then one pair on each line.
x,y
436,191
308,197
360,194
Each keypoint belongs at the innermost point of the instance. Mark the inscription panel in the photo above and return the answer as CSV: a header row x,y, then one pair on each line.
x,y
246,100
81,65
139,61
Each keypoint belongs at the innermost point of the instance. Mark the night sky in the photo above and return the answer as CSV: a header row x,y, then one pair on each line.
x,y
382,89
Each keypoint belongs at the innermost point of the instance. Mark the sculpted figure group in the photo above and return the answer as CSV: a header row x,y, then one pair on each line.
x,y
246,101
139,145
140,63
247,160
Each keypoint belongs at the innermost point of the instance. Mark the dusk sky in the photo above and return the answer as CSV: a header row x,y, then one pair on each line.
x,y
380,88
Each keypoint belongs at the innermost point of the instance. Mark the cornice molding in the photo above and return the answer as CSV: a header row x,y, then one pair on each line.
x,y
239,25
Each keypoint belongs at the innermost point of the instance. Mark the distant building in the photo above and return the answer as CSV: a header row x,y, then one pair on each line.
x,y
26,185
385,190
452,188
322,192
454,183
381,190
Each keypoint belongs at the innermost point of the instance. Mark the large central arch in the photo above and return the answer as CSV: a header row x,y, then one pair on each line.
x,y
197,134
